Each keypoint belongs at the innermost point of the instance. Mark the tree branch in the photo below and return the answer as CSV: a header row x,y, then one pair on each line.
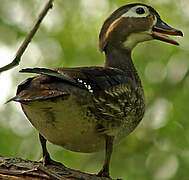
x,y
18,169
28,39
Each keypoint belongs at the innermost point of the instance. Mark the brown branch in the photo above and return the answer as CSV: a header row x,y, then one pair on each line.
x,y
28,39
18,169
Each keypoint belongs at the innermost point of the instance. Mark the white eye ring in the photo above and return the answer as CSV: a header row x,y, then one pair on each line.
x,y
133,12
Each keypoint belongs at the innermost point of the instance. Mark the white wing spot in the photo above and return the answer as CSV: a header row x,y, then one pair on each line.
x,y
79,80
88,86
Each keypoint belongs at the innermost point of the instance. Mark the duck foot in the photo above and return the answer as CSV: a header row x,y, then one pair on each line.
x,y
46,159
103,173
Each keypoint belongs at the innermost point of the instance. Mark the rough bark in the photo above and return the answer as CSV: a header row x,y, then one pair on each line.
x,y
17,169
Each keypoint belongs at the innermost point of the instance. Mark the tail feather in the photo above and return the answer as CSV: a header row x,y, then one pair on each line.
x,y
15,98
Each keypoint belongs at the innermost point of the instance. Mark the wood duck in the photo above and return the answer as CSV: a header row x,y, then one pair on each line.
x,y
88,109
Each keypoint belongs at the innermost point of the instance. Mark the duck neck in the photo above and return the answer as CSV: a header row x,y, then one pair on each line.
x,y
119,57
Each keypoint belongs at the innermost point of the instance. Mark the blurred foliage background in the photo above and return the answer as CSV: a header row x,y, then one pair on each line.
x,y
159,148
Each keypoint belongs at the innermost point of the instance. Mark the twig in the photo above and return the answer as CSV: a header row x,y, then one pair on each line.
x,y
28,39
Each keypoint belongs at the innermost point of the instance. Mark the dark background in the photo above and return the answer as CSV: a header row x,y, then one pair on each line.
x,y
159,148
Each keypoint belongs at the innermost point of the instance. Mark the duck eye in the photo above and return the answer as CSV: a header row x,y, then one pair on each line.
x,y
140,10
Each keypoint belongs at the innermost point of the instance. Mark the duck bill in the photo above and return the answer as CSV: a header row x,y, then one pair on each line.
x,y
161,29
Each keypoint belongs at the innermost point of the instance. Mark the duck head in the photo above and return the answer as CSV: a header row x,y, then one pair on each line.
x,y
134,23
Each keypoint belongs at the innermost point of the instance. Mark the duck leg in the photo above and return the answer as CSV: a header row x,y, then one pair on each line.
x,y
46,159
104,172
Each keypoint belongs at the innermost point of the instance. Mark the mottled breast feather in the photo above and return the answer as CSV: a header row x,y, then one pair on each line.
x,y
119,107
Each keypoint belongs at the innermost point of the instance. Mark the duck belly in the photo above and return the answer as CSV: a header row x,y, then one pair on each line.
x,y
64,123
